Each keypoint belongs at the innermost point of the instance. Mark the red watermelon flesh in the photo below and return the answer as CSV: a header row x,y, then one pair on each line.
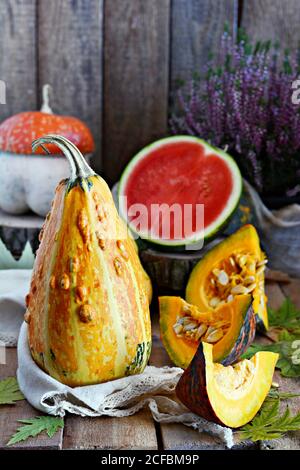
x,y
180,171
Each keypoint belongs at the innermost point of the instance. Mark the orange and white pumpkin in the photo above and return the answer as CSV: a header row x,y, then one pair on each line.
x,y
18,131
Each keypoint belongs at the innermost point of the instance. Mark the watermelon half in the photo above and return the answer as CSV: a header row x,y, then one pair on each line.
x,y
179,191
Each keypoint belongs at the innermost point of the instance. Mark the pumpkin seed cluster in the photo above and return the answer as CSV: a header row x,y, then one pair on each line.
x,y
241,274
190,328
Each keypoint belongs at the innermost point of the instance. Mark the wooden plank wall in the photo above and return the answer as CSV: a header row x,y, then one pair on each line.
x,y
115,63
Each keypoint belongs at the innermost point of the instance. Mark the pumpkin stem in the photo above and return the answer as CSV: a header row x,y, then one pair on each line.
x,y
78,164
45,104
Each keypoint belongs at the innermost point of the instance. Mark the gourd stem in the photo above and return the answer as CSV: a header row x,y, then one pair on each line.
x,y
45,104
78,164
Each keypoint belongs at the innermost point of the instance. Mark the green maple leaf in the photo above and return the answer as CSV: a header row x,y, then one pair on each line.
x,y
286,317
288,348
36,425
9,391
275,394
269,423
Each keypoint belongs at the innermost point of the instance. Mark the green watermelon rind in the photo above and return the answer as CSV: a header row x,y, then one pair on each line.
x,y
213,229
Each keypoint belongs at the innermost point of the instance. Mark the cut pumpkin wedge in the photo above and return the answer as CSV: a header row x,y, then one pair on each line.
x,y
230,328
230,396
233,267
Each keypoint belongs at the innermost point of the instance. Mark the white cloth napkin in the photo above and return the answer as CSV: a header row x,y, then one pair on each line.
x,y
14,285
154,388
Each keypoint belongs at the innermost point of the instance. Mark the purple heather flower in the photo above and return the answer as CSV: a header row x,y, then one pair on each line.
x,y
245,103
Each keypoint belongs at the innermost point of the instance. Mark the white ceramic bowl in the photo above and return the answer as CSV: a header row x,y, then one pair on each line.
x,y
28,182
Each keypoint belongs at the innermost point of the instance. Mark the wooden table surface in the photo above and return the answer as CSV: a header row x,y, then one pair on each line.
x,y
140,431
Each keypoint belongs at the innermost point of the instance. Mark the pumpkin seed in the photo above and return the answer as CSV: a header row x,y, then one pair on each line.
x,y
232,262
216,272
213,335
214,302
251,267
177,328
242,260
186,309
212,281
223,278
260,270
262,263
230,298
190,326
201,330
251,287
249,279
239,289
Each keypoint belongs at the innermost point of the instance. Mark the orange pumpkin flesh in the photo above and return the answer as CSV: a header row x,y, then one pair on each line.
x,y
230,396
241,258
88,306
236,319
